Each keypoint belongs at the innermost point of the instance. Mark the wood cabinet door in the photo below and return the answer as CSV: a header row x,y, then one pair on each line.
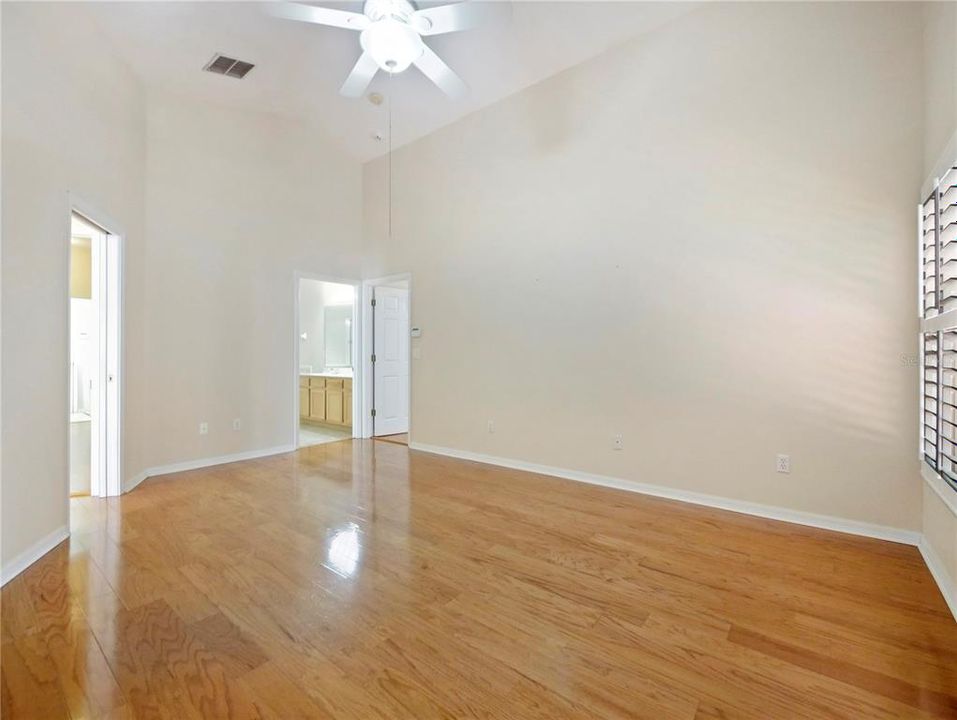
x,y
317,404
347,407
334,406
303,402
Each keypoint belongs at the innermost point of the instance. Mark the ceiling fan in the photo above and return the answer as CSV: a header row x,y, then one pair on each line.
x,y
391,37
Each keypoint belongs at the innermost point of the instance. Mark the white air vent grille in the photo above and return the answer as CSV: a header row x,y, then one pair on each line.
x,y
222,65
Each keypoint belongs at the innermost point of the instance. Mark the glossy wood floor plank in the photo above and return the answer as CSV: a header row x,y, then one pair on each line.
x,y
363,580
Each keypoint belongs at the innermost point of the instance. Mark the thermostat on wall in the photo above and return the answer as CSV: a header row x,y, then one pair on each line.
x,y
416,331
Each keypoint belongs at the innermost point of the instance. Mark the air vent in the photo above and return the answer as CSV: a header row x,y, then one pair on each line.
x,y
222,65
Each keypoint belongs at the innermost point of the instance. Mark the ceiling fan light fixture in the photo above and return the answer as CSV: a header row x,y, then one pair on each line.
x,y
392,44
391,37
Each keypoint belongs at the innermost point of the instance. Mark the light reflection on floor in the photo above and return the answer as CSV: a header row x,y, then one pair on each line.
x,y
344,550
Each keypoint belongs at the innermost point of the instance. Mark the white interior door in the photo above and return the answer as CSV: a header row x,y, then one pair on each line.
x,y
98,405
111,368
391,367
105,403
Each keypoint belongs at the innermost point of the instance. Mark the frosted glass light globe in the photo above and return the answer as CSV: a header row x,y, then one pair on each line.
x,y
392,44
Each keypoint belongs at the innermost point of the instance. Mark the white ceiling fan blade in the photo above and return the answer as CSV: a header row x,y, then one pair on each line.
x,y
360,77
435,69
458,16
318,15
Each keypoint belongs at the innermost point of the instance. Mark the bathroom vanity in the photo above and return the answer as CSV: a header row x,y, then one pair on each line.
x,y
325,398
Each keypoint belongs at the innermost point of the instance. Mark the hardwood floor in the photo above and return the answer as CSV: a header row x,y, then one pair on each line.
x,y
398,438
361,580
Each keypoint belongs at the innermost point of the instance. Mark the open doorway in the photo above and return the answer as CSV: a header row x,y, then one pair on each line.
x,y
390,331
325,360
94,360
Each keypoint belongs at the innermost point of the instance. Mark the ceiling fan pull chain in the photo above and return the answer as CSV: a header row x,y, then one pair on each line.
x,y
390,157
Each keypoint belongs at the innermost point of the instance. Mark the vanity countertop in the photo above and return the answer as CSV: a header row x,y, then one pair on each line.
x,y
347,374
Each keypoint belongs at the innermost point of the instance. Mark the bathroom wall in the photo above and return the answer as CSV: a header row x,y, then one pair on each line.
x,y
83,332
314,297
81,268
83,327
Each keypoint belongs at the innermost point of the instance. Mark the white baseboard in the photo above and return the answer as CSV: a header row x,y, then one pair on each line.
x,y
772,512
940,575
204,462
33,553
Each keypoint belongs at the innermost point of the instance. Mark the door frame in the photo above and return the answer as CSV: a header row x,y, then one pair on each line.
x,y
368,342
107,423
357,379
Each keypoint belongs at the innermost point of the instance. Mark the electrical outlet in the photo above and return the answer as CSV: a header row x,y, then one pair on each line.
x,y
491,427
618,443
237,424
784,463
203,428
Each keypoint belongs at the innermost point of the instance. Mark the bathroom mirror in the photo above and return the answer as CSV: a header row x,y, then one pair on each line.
x,y
338,336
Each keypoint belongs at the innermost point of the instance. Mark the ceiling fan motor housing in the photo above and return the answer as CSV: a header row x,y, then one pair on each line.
x,y
393,44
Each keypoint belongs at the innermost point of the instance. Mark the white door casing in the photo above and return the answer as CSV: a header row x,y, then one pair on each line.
x,y
391,367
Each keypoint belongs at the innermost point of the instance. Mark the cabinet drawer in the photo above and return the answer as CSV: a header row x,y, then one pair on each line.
x,y
333,384
317,382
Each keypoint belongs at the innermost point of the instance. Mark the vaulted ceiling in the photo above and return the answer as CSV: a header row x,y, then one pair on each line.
x,y
300,67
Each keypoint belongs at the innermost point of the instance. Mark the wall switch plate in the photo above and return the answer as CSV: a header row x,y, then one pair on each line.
x,y
237,424
618,443
491,427
203,428
783,464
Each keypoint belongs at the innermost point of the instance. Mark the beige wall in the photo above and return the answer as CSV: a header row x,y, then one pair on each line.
x,y
702,240
940,146
940,80
237,204
72,123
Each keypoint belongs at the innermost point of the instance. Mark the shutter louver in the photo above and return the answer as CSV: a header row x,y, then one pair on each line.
x,y
931,403
929,256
